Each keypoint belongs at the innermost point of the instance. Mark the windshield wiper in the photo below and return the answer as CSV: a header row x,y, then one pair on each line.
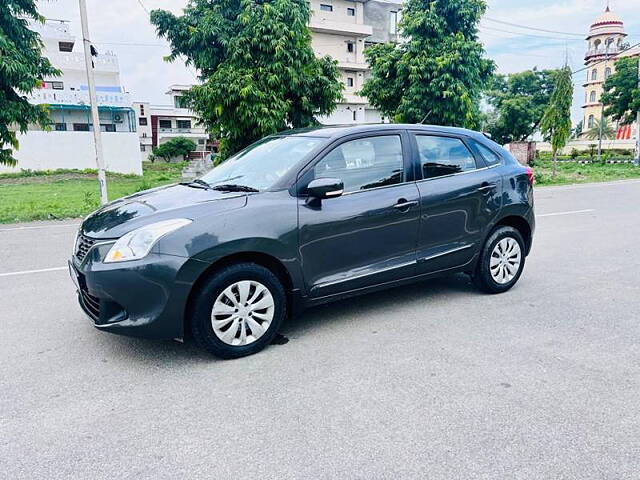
x,y
197,183
232,187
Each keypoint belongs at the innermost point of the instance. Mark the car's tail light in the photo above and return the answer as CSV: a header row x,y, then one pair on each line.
x,y
530,176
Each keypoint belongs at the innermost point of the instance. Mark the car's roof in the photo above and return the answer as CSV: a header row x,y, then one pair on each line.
x,y
331,131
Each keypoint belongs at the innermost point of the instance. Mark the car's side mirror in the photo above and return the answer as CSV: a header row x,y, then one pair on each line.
x,y
325,188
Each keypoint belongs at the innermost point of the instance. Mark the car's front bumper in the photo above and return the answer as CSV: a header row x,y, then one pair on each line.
x,y
142,298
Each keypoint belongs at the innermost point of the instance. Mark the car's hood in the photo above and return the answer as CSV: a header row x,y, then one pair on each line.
x,y
174,201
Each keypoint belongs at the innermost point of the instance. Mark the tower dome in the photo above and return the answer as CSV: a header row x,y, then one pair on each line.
x,y
607,22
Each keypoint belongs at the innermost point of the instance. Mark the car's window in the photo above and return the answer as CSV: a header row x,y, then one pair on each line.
x,y
489,156
364,163
262,164
443,156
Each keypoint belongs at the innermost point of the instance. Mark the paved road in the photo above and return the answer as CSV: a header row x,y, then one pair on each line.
x,y
429,381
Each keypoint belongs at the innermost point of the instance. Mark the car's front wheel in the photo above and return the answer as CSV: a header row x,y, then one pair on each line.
x,y
501,261
238,310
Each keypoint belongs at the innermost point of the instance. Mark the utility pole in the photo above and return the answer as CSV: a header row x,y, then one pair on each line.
x,y
601,126
637,160
97,137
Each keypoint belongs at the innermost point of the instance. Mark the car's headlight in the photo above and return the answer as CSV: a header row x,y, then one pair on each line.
x,y
138,243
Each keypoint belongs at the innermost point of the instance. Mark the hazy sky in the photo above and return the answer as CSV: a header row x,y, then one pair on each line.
x,y
122,26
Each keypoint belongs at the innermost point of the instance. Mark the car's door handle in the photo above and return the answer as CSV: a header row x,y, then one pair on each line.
x,y
404,205
486,187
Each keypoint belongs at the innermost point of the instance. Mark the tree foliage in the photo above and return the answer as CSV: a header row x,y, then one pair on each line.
x,y
518,103
608,130
259,73
438,72
621,95
176,147
22,69
556,120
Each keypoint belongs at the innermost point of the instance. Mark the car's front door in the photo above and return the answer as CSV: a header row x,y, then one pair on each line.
x,y
368,235
460,197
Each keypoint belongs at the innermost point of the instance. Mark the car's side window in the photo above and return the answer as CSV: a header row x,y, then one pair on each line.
x,y
364,163
489,156
441,156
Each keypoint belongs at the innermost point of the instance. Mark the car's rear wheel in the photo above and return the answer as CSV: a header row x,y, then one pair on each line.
x,y
501,261
238,310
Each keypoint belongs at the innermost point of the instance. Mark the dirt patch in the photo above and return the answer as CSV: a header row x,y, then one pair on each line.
x,y
47,178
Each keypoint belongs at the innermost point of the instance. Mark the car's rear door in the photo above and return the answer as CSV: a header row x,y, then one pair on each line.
x,y
368,235
460,195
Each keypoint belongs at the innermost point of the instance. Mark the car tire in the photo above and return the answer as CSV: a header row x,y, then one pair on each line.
x,y
226,301
497,270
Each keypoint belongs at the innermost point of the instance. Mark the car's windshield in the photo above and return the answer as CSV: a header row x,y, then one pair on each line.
x,y
262,164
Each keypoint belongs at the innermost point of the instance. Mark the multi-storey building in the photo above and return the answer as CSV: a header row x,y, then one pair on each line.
x,y
606,45
343,29
160,123
70,142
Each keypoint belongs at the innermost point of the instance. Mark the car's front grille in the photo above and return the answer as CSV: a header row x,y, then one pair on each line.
x,y
91,304
83,245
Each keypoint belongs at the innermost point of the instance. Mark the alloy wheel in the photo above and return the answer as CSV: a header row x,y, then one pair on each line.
x,y
505,261
242,313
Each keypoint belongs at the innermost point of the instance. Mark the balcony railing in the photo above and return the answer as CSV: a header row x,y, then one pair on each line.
x,y
194,130
612,50
69,97
75,61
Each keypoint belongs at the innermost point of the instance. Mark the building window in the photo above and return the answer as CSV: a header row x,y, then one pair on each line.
x,y
393,23
80,127
57,85
351,12
142,122
201,141
349,81
592,121
65,46
592,97
142,111
184,124
607,72
326,8
60,127
143,148
354,115
350,47
164,123
594,74
180,102
107,127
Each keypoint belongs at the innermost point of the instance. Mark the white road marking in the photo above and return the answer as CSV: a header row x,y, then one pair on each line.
x,y
576,186
557,214
27,272
39,226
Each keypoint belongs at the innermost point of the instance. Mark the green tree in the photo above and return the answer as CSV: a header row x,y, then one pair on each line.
x,y
438,73
518,102
22,69
176,147
556,121
608,130
259,73
621,95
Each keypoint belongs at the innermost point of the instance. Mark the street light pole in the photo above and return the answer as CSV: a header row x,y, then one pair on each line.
x,y
637,160
97,137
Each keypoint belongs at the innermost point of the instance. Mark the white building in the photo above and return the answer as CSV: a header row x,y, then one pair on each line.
x,y
343,29
70,143
160,123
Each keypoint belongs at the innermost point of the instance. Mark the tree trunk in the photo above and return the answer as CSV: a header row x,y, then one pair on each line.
x,y
555,163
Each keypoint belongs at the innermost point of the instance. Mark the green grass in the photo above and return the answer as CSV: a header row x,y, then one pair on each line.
x,y
572,172
58,194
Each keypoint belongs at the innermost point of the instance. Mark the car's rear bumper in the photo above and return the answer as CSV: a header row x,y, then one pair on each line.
x,y
143,298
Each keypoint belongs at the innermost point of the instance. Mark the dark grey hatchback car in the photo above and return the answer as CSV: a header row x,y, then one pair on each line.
x,y
299,219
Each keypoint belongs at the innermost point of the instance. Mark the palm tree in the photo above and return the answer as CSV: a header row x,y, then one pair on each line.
x,y
608,131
